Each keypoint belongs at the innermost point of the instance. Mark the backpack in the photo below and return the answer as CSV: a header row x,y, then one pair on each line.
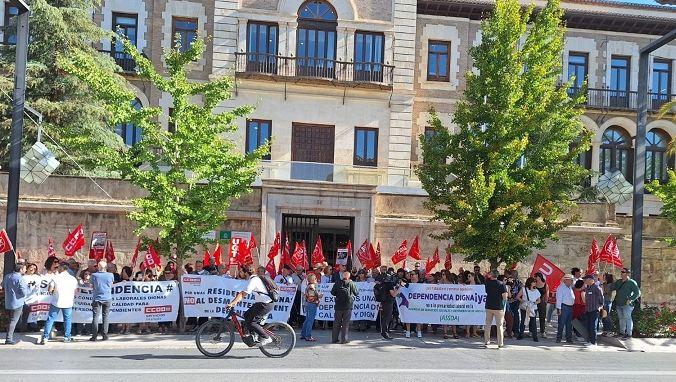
x,y
271,287
379,291
341,290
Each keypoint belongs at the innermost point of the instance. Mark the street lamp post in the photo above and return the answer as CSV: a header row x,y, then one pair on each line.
x,y
639,154
16,135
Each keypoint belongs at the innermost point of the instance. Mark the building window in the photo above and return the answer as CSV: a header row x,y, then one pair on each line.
x,y
183,32
661,89
438,62
261,47
619,81
577,69
9,35
365,146
316,40
616,152
124,24
130,133
369,49
656,157
258,133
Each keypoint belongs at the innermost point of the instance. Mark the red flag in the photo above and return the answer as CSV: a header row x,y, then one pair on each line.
x,y
448,262
377,259
252,242
244,253
5,244
110,252
432,261
206,259
374,259
74,241
415,249
299,258
270,267
594,256
363,254
134,258
616,260
51,252
318,252
152,258
218,255
286,256
552,273
274,250
401,253
606,255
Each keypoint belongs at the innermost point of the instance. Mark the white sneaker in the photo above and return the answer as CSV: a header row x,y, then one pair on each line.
x,y
265,341
408,334
419,334
544,335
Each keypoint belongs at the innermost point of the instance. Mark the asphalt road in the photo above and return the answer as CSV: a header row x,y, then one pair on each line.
x,y
335,363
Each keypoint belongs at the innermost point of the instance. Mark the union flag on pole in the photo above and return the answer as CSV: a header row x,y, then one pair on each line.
x,y
286,256
5,244
244,254
363,254
51,252
432,261
151,259
377,259
218,254
606,256
415,250
74,241
401,253
594,256
270,268
299,258
318,252
274,250
134,258
448,262
374,258
615,258
252,242
110,252
206,259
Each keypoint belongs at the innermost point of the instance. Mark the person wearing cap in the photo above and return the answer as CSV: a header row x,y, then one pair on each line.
x,y
565,298
593,299
496,300
626,293
73,267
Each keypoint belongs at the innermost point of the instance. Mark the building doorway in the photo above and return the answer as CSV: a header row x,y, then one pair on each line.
x,y
334,231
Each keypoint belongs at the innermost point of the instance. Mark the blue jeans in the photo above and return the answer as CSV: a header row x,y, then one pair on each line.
x,y
591,320
310,313
51,317
516,313
626,323
551,308
565,321
607,322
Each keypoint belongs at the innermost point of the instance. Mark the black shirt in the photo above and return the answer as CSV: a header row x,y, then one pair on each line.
x,y
494,291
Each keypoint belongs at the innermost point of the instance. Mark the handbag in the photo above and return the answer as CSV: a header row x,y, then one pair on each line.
x,y
527,305
524,304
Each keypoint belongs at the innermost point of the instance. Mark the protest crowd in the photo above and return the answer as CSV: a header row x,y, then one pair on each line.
x,y
519,307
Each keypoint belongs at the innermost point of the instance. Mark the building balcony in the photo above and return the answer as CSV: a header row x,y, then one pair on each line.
x,y
608,99
123,60
313,70
324,172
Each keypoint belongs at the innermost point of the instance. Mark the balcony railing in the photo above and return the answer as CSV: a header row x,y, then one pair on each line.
x,y
123,60
324,172
620,99
315,68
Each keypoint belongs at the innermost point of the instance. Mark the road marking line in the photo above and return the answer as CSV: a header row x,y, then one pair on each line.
x,y
342,371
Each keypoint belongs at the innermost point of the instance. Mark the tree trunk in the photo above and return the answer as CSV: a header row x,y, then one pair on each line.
x,y
181,308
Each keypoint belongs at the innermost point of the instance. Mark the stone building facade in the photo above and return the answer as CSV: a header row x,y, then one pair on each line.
x,y
344,89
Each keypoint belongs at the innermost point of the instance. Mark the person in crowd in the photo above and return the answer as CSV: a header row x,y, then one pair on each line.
x,y
62,287
417,267
551,304
593,300
390,292
607,279
102,283
541,285
361,325
16,290
138,276
529,299
326,275
73,267
169,274
188,269
626,294
478,277
565,299
470,330
577,275
199,268
112,269
126,275
92,265
344,291
578,306
509,320
413,278
496,301
446,279
515,287
51,266
284,277
311,300
337,273
298,277
373,275
258,286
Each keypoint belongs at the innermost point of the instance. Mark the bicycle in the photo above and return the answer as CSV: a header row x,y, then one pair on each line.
x,y
216,337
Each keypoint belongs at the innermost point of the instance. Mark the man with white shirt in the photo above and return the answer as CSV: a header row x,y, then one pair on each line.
x,y
62,287
284,277
565,298
259,285
199,268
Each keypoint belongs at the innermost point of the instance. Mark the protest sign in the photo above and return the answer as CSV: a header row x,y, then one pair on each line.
x,y
446,304
365,306
207,296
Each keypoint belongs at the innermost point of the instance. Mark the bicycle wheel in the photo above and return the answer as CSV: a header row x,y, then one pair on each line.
x,y
215,337
283,340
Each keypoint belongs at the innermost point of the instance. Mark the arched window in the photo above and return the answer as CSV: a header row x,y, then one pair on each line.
x,y
130,133
316,40
616,152
656,158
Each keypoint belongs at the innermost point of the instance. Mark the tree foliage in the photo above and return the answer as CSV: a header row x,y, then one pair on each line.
x,y
667,193
502,182
189,176
72,116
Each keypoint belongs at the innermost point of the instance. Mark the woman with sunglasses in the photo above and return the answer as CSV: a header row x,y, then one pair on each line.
x,y
529,298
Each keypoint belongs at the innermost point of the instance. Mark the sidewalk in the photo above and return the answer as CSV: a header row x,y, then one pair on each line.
x,y
358,340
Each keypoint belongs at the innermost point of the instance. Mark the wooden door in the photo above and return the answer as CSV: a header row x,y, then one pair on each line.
x,y
312,144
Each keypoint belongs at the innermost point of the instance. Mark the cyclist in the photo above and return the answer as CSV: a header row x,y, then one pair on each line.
x,y
263,305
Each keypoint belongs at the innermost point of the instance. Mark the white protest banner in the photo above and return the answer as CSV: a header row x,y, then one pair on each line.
x,y
133,302
446,304
207,296
38,298
365,306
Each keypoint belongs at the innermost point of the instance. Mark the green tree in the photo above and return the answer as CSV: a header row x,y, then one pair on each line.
x,y
502,183
667,193
71,116
190,175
